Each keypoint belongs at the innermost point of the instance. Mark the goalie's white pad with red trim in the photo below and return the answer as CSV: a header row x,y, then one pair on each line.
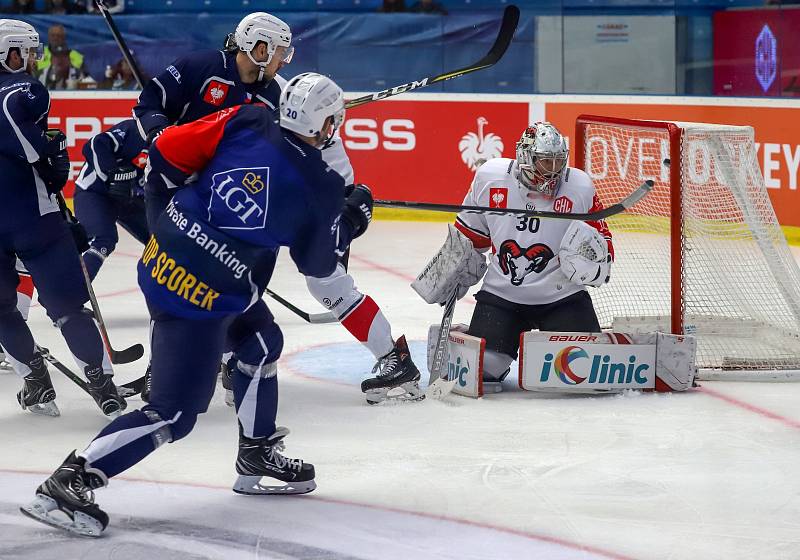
x,y
606,362
464,359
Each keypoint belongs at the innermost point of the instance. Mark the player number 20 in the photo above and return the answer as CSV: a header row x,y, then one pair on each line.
x,y
531,224
291,113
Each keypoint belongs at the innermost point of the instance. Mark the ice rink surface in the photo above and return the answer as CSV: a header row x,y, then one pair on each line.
x,y
710,474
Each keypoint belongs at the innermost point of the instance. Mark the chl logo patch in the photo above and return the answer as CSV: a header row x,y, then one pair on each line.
x,y
562,205
498,197
216,92
239,198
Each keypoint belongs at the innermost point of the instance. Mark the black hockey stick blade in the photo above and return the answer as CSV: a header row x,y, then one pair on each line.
x,y
438,385
501,43
314,318
131,388
123,47
127,355
612,210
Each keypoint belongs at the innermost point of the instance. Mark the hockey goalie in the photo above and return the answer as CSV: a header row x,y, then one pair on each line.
x,y
538,274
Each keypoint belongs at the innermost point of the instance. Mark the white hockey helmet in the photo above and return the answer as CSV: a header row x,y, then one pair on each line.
x,y
18,34
307,101
542,156
261,26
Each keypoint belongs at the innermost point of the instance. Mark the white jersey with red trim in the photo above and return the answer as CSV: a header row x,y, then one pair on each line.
x,y
524,266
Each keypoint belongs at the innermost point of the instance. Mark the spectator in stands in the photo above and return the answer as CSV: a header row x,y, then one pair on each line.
x,y
120,77
428,7
393,6
21,7
61,67
114,6
63,7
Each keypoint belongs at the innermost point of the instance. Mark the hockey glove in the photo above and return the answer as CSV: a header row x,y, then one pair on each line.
x,y
53,166
357,209
122,183
584,255
153,134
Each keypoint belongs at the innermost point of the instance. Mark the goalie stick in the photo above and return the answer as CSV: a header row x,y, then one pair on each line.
x,y
501,43
438,384
612,210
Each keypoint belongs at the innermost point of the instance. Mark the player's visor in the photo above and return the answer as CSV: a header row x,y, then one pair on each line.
x,y
285,54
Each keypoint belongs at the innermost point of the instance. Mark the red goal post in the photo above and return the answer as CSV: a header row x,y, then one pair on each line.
x,y
703,253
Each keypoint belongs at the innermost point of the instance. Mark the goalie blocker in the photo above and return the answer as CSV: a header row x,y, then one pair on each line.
x,y
575,362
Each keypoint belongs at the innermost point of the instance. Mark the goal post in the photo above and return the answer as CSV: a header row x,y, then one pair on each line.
x,y
703,254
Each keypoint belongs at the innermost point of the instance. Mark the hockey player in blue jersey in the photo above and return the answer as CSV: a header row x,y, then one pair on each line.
x,y
245,72
259,186
109,191
35,167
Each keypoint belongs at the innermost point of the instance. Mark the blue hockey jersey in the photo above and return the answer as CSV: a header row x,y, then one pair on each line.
x,y
23,122
258,188
195,86
120,145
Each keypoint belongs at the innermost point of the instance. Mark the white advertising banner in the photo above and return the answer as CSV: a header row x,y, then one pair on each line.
x,y
619,54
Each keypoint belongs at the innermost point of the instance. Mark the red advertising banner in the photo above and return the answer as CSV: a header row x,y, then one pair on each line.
x,y
756,52
428,150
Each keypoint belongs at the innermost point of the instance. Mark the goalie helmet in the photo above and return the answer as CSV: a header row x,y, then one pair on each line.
x,y
542,156
20,35
263,27
307,101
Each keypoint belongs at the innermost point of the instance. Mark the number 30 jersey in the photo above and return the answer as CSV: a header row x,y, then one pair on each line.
x,y
524,266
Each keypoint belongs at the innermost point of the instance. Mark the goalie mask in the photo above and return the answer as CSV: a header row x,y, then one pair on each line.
x,y
263,27
20,35
307,102
542,156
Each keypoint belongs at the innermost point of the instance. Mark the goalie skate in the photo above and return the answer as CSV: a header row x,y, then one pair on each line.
x,y
260,458
66,500
397,379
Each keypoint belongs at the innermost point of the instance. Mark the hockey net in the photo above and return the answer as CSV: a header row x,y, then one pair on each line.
x,y
703,253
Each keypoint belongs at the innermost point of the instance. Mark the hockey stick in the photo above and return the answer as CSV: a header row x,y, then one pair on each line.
x,y
125,356
126,53
504,36
314,318
612,210
438,384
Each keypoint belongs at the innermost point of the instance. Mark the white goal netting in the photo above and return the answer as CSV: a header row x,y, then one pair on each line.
x,y
729,277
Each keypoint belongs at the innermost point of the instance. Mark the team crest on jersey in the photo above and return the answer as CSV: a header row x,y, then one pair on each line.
x,y
498,197
562,205
140,160
239,198
517,262
216,92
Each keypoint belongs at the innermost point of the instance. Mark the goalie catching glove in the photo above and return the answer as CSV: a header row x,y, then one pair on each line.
x,y
584,255
456,266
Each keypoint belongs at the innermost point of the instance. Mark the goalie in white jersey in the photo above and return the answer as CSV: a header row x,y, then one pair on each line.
x,y
539,268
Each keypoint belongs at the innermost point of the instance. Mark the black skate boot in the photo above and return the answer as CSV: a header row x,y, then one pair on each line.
x,y
225,373
70,490
104,392
148,384
397,379
38,395
261,457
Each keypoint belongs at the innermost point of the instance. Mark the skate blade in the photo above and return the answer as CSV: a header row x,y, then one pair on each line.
x,y
251,485
407,392
440,388
82,525
45,409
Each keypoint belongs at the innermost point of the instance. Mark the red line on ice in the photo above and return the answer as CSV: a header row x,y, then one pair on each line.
x,y
751,408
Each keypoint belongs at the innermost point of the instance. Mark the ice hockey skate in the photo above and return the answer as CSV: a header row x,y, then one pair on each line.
x,y
104,392
66,499
38,395
397,379
261,458
227,383
148,384
5,365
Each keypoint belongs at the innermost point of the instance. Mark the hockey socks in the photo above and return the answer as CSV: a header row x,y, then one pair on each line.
x,y
368,325
256,399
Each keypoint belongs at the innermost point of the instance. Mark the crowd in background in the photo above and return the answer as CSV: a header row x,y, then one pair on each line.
x,y
420,7
61,7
